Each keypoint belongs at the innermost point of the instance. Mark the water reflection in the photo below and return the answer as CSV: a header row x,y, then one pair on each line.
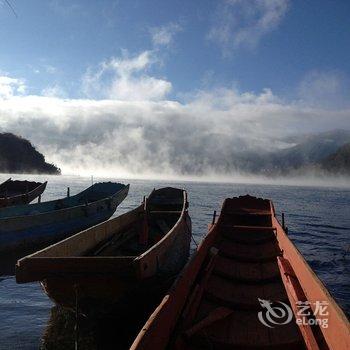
x,y
115,331
60,332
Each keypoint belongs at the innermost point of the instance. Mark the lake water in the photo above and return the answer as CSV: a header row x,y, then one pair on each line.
x,y
318,219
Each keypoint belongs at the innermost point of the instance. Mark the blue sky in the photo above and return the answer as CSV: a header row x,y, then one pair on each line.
x,y
55,42
134,86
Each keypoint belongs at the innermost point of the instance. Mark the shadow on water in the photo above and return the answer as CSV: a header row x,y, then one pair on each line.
x,y
115,331
60,331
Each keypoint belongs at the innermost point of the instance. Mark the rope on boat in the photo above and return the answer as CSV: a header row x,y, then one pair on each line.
x,y
214,218
190,230
194,241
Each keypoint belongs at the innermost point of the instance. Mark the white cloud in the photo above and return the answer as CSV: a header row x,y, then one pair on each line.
x,y
123,138
11,86
163,35
126,78
242,23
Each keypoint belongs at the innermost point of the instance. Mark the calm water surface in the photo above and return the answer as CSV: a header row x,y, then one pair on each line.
x,y
318,221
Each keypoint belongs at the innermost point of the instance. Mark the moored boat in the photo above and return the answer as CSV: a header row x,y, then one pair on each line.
x,y
118,263
246,287
17,192
31,227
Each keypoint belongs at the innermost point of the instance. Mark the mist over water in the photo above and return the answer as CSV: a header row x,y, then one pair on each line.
x,y
223,131
318,219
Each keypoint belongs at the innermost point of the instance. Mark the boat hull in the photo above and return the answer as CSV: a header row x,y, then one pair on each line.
x,y
108,267
127,288
34,231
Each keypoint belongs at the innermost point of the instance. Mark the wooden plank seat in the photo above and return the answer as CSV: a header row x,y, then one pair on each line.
x,y
246,272
231,332
247,219
234,333
250,253
242,296
248,227
247,211
248,235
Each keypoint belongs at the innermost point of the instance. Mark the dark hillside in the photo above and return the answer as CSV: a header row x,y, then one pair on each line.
x,y
18,155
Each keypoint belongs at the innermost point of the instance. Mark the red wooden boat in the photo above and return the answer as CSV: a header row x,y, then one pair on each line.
x,y
246,287
19,192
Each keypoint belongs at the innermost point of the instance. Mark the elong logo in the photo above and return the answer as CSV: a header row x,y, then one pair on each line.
x,y
277,313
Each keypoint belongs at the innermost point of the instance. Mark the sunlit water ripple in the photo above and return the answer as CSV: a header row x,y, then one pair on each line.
x,y
318,221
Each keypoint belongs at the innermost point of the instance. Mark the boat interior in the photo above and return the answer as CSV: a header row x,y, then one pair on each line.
x,y
239,273
161,211
96,192
11,188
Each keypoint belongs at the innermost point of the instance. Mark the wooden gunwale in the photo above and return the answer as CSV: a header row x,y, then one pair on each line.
x,y
163,243
42,186
63,210
165,316
77,244
76,266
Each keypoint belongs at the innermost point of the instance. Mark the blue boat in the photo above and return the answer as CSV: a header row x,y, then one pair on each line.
x,y
29,227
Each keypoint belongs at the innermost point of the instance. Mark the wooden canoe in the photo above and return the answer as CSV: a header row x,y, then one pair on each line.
x,y
214,304
119,262
20,192
33,226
